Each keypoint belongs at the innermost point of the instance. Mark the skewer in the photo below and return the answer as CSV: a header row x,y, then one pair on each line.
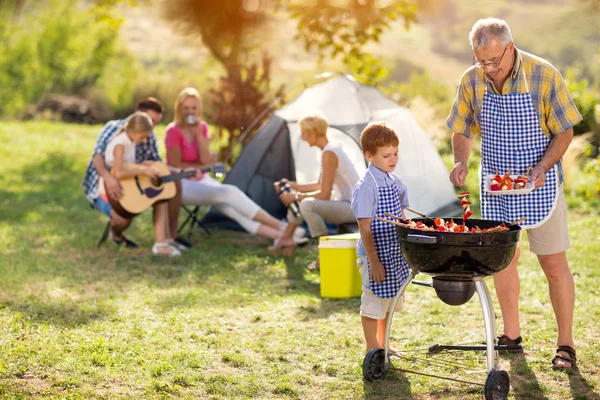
x,y
517,221
390,221
387,214
417,212
528,170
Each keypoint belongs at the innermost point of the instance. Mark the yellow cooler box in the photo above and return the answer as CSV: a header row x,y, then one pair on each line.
x,y
339,273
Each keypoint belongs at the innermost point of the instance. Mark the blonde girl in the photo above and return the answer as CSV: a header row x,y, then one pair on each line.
x,y
120,157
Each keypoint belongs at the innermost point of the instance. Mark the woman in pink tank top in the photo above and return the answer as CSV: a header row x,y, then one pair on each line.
x,y
188,146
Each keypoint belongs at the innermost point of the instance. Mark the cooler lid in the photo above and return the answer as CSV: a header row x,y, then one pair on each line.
x,y
344,241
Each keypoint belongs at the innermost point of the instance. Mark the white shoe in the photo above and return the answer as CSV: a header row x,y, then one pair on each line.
x,y
178,246
300,240
173,252
300,233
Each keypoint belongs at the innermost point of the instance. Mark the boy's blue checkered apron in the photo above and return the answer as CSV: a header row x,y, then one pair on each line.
x,y
511,137
387,244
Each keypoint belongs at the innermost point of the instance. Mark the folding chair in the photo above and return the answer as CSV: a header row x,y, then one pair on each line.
x,y
104,234
192,219
347,227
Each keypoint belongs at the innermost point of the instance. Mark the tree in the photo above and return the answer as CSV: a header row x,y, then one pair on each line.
x,y
232,29
343,29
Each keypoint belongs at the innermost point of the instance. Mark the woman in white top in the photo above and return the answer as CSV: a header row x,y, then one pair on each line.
x,y
329,198
120,158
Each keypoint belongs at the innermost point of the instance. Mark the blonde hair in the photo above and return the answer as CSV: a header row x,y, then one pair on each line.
x,y
316,123
183,95
138,122
376,135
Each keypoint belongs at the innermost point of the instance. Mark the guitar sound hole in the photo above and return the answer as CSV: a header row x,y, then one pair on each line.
x,y
156,181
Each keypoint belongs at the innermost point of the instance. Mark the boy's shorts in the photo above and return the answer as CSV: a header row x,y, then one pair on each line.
x,y
371,305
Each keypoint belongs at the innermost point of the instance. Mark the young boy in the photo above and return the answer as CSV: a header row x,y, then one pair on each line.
x,y
382,267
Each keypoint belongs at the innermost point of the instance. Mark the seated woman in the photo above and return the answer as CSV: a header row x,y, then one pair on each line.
x,y
325,200
120,158
187,143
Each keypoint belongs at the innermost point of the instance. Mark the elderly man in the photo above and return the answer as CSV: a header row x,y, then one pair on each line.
x,y
518,103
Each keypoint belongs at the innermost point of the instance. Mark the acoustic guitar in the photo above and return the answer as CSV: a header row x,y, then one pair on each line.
x,y
140,192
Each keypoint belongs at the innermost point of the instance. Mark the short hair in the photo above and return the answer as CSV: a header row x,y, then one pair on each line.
x,y
376,135
316,122
183,95
487,28
150,103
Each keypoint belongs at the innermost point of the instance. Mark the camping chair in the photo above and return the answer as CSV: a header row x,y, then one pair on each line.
x,y
192,219
104,234
347,227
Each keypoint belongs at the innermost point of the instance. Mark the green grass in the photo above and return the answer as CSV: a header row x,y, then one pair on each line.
x,y
226,320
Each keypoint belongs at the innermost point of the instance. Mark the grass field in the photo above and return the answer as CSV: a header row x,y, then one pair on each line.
x,y
226,320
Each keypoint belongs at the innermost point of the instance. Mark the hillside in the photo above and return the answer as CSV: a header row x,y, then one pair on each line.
x,y
559,30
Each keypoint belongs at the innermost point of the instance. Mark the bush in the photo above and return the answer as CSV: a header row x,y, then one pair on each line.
x,y
41,53
587,99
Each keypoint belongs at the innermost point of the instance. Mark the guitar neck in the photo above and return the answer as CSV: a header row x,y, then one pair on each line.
x,y
185,174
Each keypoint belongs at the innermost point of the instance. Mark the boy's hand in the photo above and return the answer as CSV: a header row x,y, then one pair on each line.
x,y
377,272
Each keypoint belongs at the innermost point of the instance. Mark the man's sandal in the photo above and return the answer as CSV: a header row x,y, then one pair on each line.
x,y
570,357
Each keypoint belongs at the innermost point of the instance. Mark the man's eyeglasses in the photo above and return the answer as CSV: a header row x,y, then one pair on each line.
x,y
494,64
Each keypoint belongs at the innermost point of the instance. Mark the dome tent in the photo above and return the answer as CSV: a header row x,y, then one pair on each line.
x,y
276,151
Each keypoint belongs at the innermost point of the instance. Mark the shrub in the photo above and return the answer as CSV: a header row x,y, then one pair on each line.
x,y
41,53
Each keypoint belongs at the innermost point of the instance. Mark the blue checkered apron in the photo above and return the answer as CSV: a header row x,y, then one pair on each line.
x,y
511,137
387,244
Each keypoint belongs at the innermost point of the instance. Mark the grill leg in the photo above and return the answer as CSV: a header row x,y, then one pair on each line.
x,y
388,327
489,320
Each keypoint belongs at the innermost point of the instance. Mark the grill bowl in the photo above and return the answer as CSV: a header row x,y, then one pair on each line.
x,y
459,256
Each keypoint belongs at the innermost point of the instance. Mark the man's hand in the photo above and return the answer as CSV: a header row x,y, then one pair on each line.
x,y
287,198
113,187
377,272
459,174
147,163
538,176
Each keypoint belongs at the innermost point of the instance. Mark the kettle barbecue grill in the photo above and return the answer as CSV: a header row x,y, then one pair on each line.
x,y
458,263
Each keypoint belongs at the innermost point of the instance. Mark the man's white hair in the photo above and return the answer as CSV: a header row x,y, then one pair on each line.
x,y
487,29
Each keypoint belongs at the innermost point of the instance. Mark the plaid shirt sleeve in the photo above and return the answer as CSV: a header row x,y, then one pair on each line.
x,y
462,116
90,180
106,134
561,112
147,151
